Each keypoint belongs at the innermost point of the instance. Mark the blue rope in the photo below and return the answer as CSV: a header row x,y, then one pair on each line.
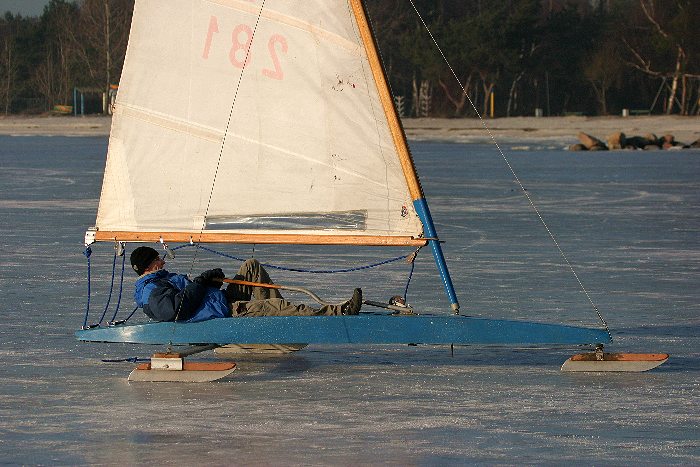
x,y
87,253
408,282
111,289
121,287
309,271
123,321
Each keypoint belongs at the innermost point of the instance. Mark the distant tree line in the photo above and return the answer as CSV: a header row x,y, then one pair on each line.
x,y
71,45
509,57
590,57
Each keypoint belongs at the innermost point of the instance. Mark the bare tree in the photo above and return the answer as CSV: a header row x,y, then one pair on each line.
x,y
8,65
664,29
603,70
460,99
53,76
100,39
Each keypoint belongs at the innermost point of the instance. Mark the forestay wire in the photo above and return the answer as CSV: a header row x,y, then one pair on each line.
x,y
510,167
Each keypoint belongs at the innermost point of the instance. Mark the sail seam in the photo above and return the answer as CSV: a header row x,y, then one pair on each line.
x,y
213,135
293,22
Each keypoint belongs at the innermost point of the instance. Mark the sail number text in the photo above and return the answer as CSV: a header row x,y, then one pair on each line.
x,y
240,54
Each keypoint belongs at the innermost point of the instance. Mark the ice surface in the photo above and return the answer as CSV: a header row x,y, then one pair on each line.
x,y
629,222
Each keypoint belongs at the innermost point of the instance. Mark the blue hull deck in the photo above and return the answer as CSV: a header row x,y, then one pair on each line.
x,y
366,328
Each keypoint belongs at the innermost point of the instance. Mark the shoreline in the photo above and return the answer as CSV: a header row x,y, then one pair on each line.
x,y
560,130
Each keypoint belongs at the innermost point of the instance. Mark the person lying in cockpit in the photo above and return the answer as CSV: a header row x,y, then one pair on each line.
x,y
166,296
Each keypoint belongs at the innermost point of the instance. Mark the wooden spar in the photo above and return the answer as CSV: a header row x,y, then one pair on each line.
x,y
399,137
397,132
279,239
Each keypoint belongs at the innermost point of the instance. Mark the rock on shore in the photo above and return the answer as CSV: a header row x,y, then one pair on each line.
x,y
619,140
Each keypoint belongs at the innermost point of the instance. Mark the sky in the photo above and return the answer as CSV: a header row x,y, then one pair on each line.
x,y
24,7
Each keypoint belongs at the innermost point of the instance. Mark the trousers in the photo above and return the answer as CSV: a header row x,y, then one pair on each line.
x,y
247,300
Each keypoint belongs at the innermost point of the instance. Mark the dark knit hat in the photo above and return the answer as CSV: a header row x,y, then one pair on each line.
x,y
142,257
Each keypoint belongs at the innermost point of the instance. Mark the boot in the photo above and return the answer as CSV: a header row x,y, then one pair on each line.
x,y
352,306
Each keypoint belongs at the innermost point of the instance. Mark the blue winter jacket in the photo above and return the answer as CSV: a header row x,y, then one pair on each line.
x,y
165,296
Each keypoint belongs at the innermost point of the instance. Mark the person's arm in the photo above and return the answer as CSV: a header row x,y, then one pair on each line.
x,y
166,302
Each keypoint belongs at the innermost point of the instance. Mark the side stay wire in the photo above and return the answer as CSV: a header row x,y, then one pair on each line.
x,y
510,167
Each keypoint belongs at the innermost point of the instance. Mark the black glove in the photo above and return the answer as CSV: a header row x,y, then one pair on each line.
x,y
209,278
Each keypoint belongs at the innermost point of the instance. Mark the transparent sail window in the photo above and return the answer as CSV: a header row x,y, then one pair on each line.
x,y
346,220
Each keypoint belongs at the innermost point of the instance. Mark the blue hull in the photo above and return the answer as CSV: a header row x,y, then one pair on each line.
x,y
367,328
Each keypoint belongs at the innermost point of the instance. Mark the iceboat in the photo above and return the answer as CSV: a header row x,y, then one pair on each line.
x,y
271,122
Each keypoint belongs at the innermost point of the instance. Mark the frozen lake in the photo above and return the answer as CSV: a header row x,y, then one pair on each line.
x,y
628,221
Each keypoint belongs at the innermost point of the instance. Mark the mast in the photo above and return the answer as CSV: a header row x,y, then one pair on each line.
x,y
399,138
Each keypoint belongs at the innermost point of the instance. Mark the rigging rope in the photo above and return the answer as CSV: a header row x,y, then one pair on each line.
x,y
512,171
121,288
111,289
309,271
410,274
88,253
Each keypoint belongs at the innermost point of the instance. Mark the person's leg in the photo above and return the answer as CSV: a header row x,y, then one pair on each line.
x,y
277,307
251,271
281,307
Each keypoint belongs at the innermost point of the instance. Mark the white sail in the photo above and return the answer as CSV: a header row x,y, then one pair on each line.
x,y
293,138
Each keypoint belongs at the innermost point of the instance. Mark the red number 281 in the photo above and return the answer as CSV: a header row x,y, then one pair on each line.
x,y
239,55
